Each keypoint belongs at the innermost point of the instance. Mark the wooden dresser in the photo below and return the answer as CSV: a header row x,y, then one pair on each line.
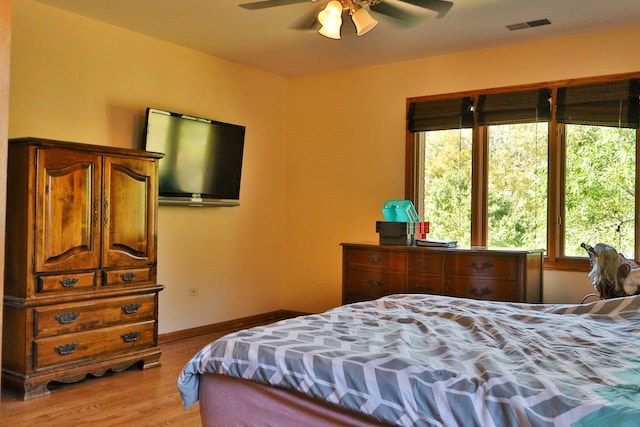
x,y
80,281
371,271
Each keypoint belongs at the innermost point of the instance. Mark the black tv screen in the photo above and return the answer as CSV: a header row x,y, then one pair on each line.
x,y
203,158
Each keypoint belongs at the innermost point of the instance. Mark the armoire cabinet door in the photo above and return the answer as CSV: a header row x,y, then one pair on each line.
x,y
129,212
67,210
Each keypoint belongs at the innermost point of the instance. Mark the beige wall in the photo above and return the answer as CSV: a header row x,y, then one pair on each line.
x,y
352,160
5,56
317,168
79,80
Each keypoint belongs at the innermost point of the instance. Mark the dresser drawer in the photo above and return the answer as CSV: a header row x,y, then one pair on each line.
x,y
419,284
82,316
424,262
373,270
372,283
71,348
67,282
478,265
485,289
379,260
129,276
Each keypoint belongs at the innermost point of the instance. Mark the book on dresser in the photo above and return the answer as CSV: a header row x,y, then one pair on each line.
x,y
435,243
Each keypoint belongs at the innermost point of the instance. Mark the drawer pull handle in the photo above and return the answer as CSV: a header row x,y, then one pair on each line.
x,y
130,336
376,260
425,264
66,349
67,318
128,276
485,265
105,212
68,282
375,283
483,292
96,211
131,308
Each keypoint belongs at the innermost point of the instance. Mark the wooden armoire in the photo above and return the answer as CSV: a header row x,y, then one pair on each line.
x,y
80,295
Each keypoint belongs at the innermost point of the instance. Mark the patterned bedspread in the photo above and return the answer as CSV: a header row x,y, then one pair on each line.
x,y
420,360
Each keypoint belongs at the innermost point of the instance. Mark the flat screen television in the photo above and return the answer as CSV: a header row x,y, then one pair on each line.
x,y
202,165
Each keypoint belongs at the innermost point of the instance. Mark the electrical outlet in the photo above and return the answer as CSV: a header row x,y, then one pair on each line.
x,y
193,292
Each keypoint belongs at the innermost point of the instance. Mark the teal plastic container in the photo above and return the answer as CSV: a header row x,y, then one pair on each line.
x,y
400,211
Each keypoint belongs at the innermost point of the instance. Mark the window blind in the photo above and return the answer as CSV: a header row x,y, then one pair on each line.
x,y
514,107
454,113
615,103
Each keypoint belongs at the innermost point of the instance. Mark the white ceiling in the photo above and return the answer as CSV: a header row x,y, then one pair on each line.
x,y
265,40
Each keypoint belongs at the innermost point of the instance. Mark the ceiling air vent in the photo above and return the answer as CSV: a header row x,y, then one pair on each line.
x,y
528,24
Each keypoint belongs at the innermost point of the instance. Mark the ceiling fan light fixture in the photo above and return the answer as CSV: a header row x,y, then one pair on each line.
x,y
331,20
332,32
332,12
363,21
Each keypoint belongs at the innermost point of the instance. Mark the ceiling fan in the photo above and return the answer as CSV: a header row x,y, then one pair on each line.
x,y
363,22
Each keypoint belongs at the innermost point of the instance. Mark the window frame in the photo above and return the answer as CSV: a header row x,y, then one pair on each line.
x,y
554,257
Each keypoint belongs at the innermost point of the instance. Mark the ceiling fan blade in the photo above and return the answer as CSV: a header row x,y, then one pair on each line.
x,y
440,6
269,3
407,18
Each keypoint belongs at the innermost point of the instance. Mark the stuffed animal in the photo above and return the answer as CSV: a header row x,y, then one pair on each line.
x,y
611,273
631,284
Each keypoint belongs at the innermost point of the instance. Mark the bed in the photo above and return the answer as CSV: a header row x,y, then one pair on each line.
x,y
424,360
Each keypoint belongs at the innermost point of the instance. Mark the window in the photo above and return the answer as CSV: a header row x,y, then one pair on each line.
x,y
517,185
600,187
515,125
446,201
545,167
598,124
444,173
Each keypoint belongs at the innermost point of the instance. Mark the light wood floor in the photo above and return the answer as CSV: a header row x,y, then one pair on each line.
x,y
130,398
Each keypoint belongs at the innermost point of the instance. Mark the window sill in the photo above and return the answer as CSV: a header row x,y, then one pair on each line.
x,y
568,264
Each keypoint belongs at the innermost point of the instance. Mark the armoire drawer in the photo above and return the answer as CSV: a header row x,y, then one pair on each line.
x,y
86,315
70,348
129,276
67,282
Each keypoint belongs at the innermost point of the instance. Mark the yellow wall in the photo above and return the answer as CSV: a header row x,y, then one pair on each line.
x,y
322,152
346,150
5,56
76,79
